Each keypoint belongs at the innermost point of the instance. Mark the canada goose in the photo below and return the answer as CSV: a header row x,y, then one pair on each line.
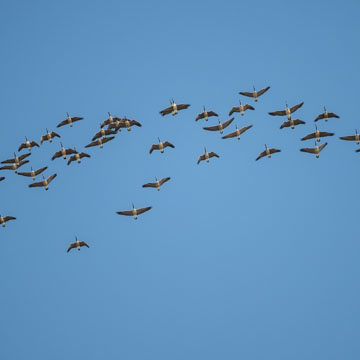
x,y
316,150
161,146
267,153
33,173
291,123
63,152
110,120
77,244
100,142
69,120
255,94
28,145
317,135
237,133
219,127
77,157
134,212
115,125
44,183
174,108
14,166
355,137
157,184
49,136
3,220
241,109
16,159
326,115
288,111
206,114
207,156
126,123
103,133
2,178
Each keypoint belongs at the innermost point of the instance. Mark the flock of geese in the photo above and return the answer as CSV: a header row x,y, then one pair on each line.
x,y
114,125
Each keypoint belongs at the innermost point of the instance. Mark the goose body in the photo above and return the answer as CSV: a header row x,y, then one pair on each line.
x,y
268,152
355,137
315,150
206,156
157,184
44,183
69,120
173,108
134,212
255,94
28,145
5,219
317,135
288,111
161,146
237,132
33,173
326,115
77,245
219,127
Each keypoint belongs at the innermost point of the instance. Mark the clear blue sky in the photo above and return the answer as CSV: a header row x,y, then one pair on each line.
x,y
237,259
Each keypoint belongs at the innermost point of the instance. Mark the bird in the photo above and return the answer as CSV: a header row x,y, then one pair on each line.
x,y
157,184
206,114
241,109
291,123
63,152
207,156
326,115
77,244
355,137
14,166
316,150
288,111
219,127
161,146
126,123
45,182
173,108
49,136
255,94
69,120
3,220
237,133
267,152
33,173
16,159
317,135
110,120
28,145
2,178
77,157
103,133
100,142
134,212
116,124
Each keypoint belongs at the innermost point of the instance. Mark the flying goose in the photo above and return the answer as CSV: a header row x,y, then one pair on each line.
x,y
77,244
44,183
241,109
28,145
157,183
100,142
288,111
49,136
219,127
291,123
173,108
267,153
206,114
2,178
237,133
14,166
16,159
134,212
110,120
161,146
326,115
207,156
255,94
316,150
63,152
69,120
3,220
355,137
126,123
317,135
103,133
33,173
77,157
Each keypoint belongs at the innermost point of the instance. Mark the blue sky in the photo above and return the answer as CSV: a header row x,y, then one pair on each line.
x,y
237,258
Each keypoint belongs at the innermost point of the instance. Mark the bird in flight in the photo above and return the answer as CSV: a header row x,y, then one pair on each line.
x,y
77,244
173,108
134,212
255,94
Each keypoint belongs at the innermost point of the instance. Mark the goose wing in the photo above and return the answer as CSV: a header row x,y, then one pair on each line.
x,y
56,155
278,113
7,218
166,111
182,106
21,163
201,158
36,184
83,243
164,180
273,151
227,123
213,154
83,154
22,146
2,178
70,151
322,146
62,123
8,161
105,122
212,128
126,212
349,138
308,150
22,157
134,122
295,107
262,91
285,124
71,246
51,178
234,109
54,134
6,167
212,113
25,174
245,93
76,118
108,139
200,116
324,133
319,117
152,185
97,136
299,122
154,147
93,143
358,150
230,135
167,143
248,107
245,128
71,159
142,210
33,143
39,171
333,115
262,154
310,136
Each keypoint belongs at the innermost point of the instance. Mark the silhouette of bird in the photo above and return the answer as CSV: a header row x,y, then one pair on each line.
x,y
100,142
288,111
316,150
33,173
2,178
63,152
110,120
326,115
219,127
237,133
161,146
28,145
317,135
49,136
207,156
255,94
291,123
3,220
355,137
241,108
206,114
14,166
173,108
69,120
44,183
157,184
134,212
267,152
16,159
77,244
77,157
103,133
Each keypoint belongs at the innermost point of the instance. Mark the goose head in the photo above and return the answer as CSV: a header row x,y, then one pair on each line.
x,y
26,139
204,108
266,147
205,149
133,206
159,140
14,155
254,88
109,114
61,144
324,109
67,114
156,179
286,104
47,131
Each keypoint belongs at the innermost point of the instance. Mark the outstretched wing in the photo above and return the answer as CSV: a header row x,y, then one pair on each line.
x,y
212,113
54,134
310,136
248,107
273,151
234,109
319,117
142,210
37,172
76,118
245,93
278,113
82,155
51,178
201,158
164,180
126,212
21,163
152,185
262,91
96,136
262,154
322,146
22,146
349,138
83,243
295,107
70,151
2,178
108,139
37,184
56,155
245,128
71,159
324,133
285,124
7,218
308,150
134,122
227,123
34,143
94,143
182,106
154,147
167,143
230,135
333,115
72,246
166,111
200,116
298,122
22,157
212,154
62,123
212,128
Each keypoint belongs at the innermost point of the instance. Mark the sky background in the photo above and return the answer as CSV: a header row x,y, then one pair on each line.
x,y
237,258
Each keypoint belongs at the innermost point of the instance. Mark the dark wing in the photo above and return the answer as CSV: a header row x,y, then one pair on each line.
x,y
167,143
126,212
350,138
278,113
71,159
22,157
212,154
230,135
54,134
166,111
212,113
285,124
94,143
310,136
358,150
24,174
96,136
200,116
37,184
333,115
212,128
142,210
72,246
154,147
76,118
245,93
319,117
201,158
262,154
164,180
8,161
83,155
21,163
322,146
248,107
134,122
227,123
22,146
106,122
6,167
7,218
182,106
273,151
37,172
62,123
324,133
56,155
2,178
152,185
295,107
51,178
245,129
308,150
234,109
262,91
107,139
34,143
83,243
298,122
70,151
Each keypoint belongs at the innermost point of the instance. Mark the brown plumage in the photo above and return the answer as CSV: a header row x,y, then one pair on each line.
x,y
255,94
16,159
103,133
326,115
206,156
100,142
110,120
161,146
77,245
77,157
237,133
291,123
173,108
267,152
14,166
28,145
69,120
44,183
126,123
157,184
288,111
206,114
5,219
355,137
241,109
317,135
315,150
33,173
134,212
63,152
219,127
49,136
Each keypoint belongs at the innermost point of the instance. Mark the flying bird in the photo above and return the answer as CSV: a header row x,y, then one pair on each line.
x,y
63,152
16,159
207,156
316,150
326,115
317,135
49,136
288,111
237,133
241,109
100,142
69,120
28,145
77,245
157,184
110,120
219,127
206,114
355,137
134,212
173,108
267,152
161,146
77,157
3,220
33,173
126,123
255,94
44,183
103,133
291,123
14,166
2,178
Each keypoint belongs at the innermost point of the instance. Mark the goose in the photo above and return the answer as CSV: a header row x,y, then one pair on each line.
x,y
14,166
326,115
77,244
288,111
115,125
134,212
174,108
3,220
161,146
16,159
157,184
77,157
219,127
241,109
49,136
28,145
207,156
206,114
63,152
2,178
126,123
317,135
100,142
255,94
267,152
33,173
44,183
69,120
291,123
237,133
103,133
110,120
316,150
355,137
